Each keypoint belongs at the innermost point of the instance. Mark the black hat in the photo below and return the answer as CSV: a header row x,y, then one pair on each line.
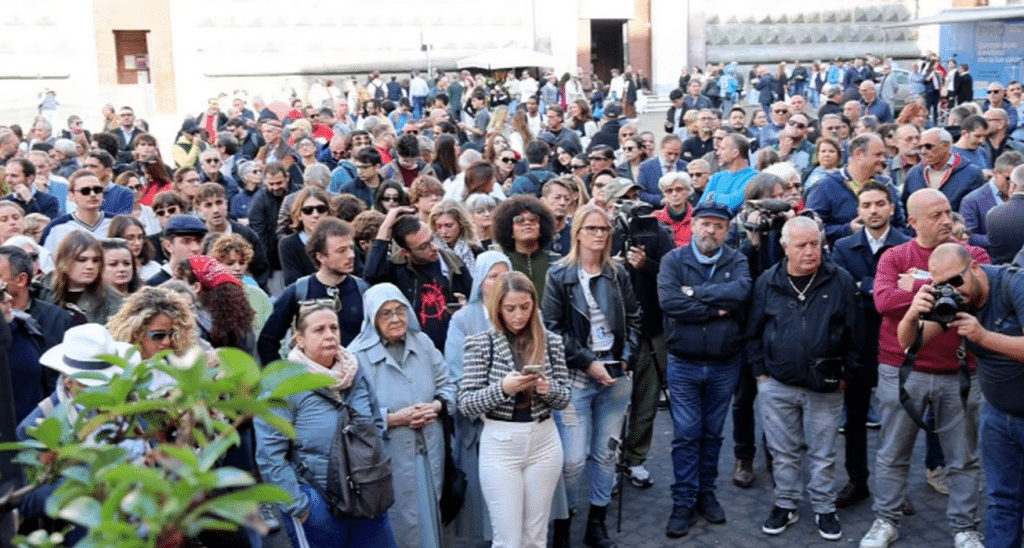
x,y
712,209
189,126
613,111
184,225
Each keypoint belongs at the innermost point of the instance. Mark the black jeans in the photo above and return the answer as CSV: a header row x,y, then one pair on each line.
x,y
743,414
858,399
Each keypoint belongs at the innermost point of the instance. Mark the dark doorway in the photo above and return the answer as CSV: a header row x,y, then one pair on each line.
x,y
607,49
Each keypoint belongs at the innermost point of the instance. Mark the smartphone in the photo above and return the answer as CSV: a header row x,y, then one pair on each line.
x,y
614,369
533,370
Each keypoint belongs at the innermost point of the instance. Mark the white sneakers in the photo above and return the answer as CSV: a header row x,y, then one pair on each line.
x,y
968,539
881,535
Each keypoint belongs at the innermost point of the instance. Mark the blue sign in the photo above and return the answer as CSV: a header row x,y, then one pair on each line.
x,y
994,50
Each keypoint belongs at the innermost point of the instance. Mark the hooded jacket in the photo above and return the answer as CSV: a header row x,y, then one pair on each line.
x,y
963,178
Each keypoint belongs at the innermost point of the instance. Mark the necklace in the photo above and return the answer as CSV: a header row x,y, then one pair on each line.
x,y
802,295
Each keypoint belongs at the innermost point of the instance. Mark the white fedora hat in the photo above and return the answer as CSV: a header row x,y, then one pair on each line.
x,y
78,353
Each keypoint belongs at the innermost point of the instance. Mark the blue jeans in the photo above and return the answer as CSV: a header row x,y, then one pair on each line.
x,y
323,530
699,396
594,417
1002,456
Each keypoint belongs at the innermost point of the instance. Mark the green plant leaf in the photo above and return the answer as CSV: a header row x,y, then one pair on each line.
x,y
282,424
182,454
77,473
232,477
301,383
48,432
84,511
236,363
209,455
208,524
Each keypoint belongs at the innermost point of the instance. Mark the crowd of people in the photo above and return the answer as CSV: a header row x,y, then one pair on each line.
x,y
511,274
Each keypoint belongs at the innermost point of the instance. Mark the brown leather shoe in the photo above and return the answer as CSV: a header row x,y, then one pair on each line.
x,y
907,508
743,474
851,494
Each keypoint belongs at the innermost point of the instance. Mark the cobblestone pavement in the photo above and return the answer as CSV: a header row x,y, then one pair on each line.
x,y
645,512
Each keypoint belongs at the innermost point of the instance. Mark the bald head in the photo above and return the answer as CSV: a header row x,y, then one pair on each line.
x,y
923,199
948,256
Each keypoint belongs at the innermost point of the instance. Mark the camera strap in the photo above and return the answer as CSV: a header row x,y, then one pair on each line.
x,y
908,367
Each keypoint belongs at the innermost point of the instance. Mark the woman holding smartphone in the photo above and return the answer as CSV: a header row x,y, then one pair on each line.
x,y
515,375
589,301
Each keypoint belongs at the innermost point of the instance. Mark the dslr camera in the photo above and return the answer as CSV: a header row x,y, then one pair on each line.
x,y
948,301
635,223
772,215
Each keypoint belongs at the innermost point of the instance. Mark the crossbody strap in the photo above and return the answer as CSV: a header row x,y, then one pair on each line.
x,y
908,367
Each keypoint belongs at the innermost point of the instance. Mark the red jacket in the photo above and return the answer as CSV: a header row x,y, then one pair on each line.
x,y
939,355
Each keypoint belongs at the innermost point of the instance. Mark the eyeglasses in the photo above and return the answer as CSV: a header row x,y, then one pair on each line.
x,y
578,166
995,91
86,191
699,174
173,210
399,313
508,160
212,161
484,210
362,166
159,336
135,188
674,190
334,302
389,199
308,210
798,125
595,230
781,111
526,219
958,280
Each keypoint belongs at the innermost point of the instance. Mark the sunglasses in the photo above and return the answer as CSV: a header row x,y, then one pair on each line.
x,y
781,111
797,125
159,336
308,210
389,199
508,160
995,91
86,191
579,166
598,159
958,280
699,174
211,161
597,229
168,211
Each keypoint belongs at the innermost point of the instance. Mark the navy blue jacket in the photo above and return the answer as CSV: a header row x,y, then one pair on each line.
x,y
834,201
853,253
695,329
963,179
974,207
40,202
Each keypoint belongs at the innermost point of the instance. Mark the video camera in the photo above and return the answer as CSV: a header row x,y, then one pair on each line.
x,y
948,301
772,215
635,223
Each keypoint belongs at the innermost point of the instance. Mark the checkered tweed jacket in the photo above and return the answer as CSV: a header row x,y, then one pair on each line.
x,y
488,358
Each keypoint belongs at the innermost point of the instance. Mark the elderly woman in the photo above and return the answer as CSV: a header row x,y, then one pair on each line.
x,y
678,212
481,208
313,413
410,379
453,231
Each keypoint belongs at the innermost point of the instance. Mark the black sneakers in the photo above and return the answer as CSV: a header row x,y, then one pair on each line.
x,y
828,526
779,520
680,521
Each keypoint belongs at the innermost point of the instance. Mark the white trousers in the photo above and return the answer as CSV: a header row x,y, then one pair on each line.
x,y
520,463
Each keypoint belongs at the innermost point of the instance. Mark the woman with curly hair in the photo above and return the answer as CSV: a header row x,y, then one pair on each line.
x,y
523,227
225,317
235,253
131,230
453,231
915,114
311,205
154,319
76,282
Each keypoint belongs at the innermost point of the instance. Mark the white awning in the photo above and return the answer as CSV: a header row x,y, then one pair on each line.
x,y
964,15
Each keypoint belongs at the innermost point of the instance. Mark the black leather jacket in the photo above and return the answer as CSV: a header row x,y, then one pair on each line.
x,y
566,312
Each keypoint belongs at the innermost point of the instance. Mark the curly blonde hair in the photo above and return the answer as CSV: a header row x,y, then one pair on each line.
x,y
139,308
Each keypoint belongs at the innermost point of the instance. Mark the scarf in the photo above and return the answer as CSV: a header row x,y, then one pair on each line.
x,y
343,372
704,260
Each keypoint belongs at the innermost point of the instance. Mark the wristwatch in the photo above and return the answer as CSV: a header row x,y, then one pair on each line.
x,y
688,291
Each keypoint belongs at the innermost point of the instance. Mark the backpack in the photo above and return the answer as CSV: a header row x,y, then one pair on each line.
x,y
358,467
302,287
538,180
379,93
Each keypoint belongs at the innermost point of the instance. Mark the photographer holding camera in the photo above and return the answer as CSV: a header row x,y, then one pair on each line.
x,y
902,272
987,307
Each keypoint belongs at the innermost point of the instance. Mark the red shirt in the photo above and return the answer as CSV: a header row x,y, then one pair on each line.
x,y
682,231
938,356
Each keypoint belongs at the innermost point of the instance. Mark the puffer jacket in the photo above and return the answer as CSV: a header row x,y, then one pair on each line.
x,y
785,334
566,312
695,329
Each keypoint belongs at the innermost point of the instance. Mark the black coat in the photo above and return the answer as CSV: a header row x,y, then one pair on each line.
x,y
785,334
566,312
963,88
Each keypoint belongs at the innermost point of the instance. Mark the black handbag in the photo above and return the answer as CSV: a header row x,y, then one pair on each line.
x,y
453,489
